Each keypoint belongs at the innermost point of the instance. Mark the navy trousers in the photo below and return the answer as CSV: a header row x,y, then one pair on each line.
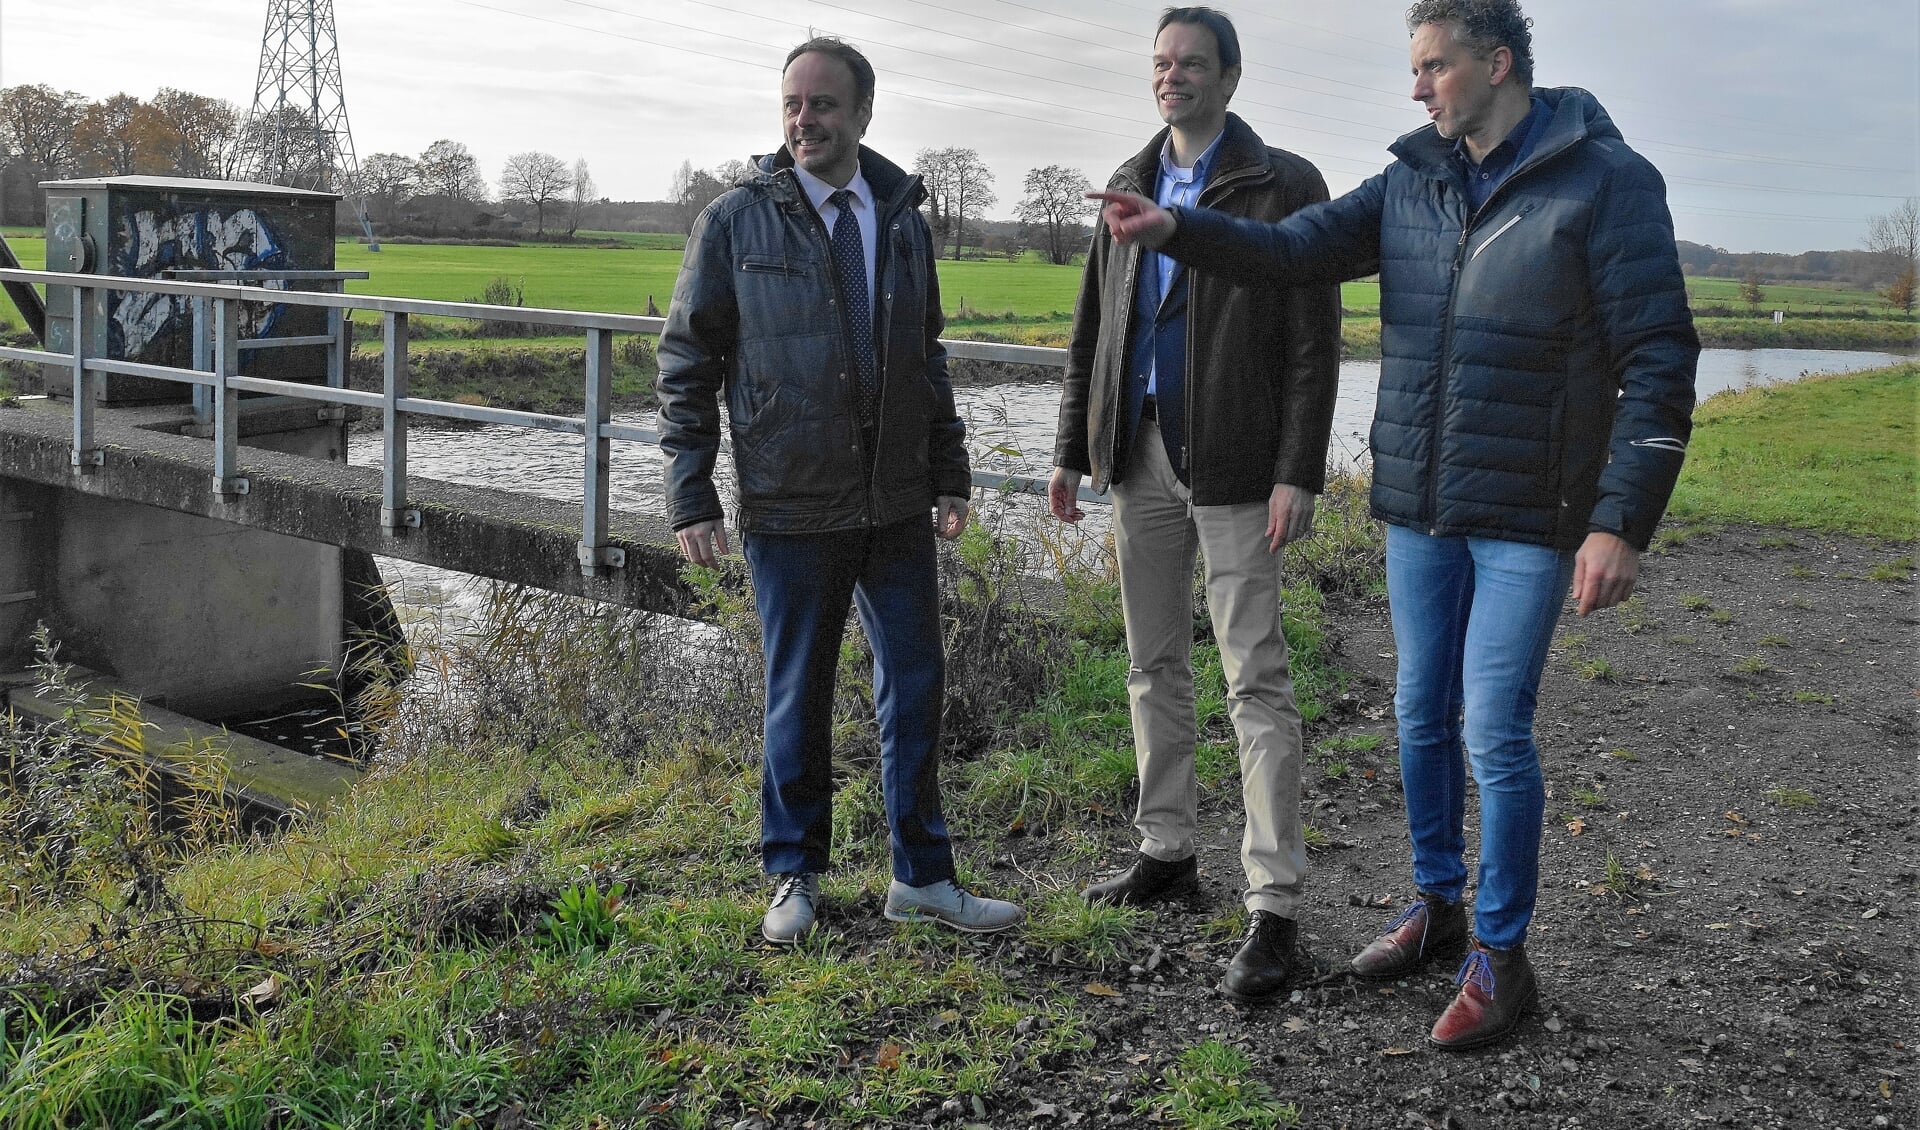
x,y
802,586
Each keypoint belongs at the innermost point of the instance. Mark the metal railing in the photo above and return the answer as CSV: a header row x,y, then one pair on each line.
x,y
218,383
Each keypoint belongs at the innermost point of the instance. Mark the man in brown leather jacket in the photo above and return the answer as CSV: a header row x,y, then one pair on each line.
x,y
1206,406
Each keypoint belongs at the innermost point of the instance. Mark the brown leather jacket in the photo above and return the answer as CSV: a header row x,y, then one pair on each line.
x,y
1263,363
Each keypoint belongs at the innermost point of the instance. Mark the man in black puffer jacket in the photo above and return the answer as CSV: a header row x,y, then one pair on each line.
x,y
1536,390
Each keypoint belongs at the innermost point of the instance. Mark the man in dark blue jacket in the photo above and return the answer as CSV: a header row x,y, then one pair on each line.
x,y
1536,390
809,295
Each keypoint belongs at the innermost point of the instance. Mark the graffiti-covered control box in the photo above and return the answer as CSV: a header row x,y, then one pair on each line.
x,y
143,227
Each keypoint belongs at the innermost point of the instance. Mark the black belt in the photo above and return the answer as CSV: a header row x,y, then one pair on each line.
x,y
1149,410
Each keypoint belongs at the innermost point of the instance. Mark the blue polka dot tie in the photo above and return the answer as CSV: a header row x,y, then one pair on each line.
x,y
850,264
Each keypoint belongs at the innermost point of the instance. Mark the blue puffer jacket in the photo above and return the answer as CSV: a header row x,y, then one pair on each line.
x,y
755,310
1538,356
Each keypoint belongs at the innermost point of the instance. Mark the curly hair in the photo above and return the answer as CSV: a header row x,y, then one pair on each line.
x,y
1480,26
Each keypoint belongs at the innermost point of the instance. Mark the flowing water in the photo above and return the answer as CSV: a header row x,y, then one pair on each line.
x,y
1010,429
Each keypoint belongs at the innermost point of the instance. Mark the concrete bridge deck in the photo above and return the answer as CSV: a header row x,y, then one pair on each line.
x,y
490,533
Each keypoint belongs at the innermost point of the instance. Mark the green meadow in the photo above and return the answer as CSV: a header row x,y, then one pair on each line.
x,y
1026,300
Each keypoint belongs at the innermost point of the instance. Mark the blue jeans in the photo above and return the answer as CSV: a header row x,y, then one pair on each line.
x,y
1472,619
802,586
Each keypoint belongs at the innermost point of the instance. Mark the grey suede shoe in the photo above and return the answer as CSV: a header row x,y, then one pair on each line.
x,y
790,917
949,905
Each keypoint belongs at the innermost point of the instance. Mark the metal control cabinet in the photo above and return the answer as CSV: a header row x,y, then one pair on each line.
x,y
145,227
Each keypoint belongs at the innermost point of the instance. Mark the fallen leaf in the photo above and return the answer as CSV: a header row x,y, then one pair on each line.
x,y
1397,1051
888,1058
1576,826
1645,874
266,992
1873,913
1886,1088
1734,816
1018,827
950,1016
1137,1060
1101,989
1369,774
1719,925
1296,1024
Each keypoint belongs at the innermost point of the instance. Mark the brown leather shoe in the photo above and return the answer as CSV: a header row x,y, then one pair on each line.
x,y
1148,880
1430,927
1496,987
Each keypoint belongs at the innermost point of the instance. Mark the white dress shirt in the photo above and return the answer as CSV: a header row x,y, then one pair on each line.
x,y
863,212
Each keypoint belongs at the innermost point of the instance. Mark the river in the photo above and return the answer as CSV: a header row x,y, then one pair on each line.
x,y
1010,429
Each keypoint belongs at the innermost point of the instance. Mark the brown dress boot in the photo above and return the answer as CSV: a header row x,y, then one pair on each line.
x,y
1496,987
1428,928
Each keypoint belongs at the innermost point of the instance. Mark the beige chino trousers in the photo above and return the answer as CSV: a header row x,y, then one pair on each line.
x,y
1157,533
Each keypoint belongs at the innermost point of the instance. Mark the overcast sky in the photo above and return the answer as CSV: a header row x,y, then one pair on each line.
x,y
1781,125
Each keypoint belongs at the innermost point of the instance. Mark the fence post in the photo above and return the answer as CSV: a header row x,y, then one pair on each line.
x,y
394,514
227,480
595,553
86,390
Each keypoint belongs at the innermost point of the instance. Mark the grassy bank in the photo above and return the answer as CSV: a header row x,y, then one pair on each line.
x,y
540,909
1835,453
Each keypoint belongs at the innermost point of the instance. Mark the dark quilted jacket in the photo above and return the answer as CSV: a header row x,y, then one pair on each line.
x,y
1538,357
755,311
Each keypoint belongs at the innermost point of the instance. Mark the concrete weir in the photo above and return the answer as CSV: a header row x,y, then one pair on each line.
x,y
477,530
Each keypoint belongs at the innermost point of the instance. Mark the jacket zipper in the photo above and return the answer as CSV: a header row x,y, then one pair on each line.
x,y
1209,197
1502,230
1460,260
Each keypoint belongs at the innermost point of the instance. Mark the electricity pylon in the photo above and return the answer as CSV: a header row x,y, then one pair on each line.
x,y
297,132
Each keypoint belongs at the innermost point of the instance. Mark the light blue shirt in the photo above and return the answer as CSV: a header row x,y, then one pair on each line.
x,y
1176,186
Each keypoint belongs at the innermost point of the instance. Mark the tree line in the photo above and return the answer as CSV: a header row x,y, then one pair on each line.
x,y
48,134
1050,217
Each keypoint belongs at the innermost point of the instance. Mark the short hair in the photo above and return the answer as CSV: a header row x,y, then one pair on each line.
x,y
1480,26
847,53
1214,21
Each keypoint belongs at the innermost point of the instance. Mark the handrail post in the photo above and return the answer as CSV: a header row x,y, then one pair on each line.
x,y
86,451
340,349
394,514
227,480
595,553
202,358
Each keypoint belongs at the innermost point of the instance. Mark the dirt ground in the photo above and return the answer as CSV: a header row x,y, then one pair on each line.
x,y
1739,743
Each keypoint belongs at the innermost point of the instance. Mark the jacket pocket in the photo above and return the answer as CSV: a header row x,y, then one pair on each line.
x,y
774,265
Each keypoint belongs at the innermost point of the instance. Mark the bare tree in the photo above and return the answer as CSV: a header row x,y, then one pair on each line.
x,y
932,167
1055,201
734,171
387,179
692,190
37,125
447,170
199,135
535,178
1896,235
583,191
959,188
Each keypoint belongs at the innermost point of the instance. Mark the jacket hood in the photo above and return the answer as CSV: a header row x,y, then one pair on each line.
x,y
891,184
1240,147
1576,116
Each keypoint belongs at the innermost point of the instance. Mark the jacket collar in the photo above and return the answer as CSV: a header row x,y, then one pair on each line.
x,y
1576,117
893,187
1241,151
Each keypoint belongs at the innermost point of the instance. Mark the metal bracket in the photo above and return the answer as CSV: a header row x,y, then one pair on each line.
x,y
332,414
238,484
594,558
397,519
97,457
